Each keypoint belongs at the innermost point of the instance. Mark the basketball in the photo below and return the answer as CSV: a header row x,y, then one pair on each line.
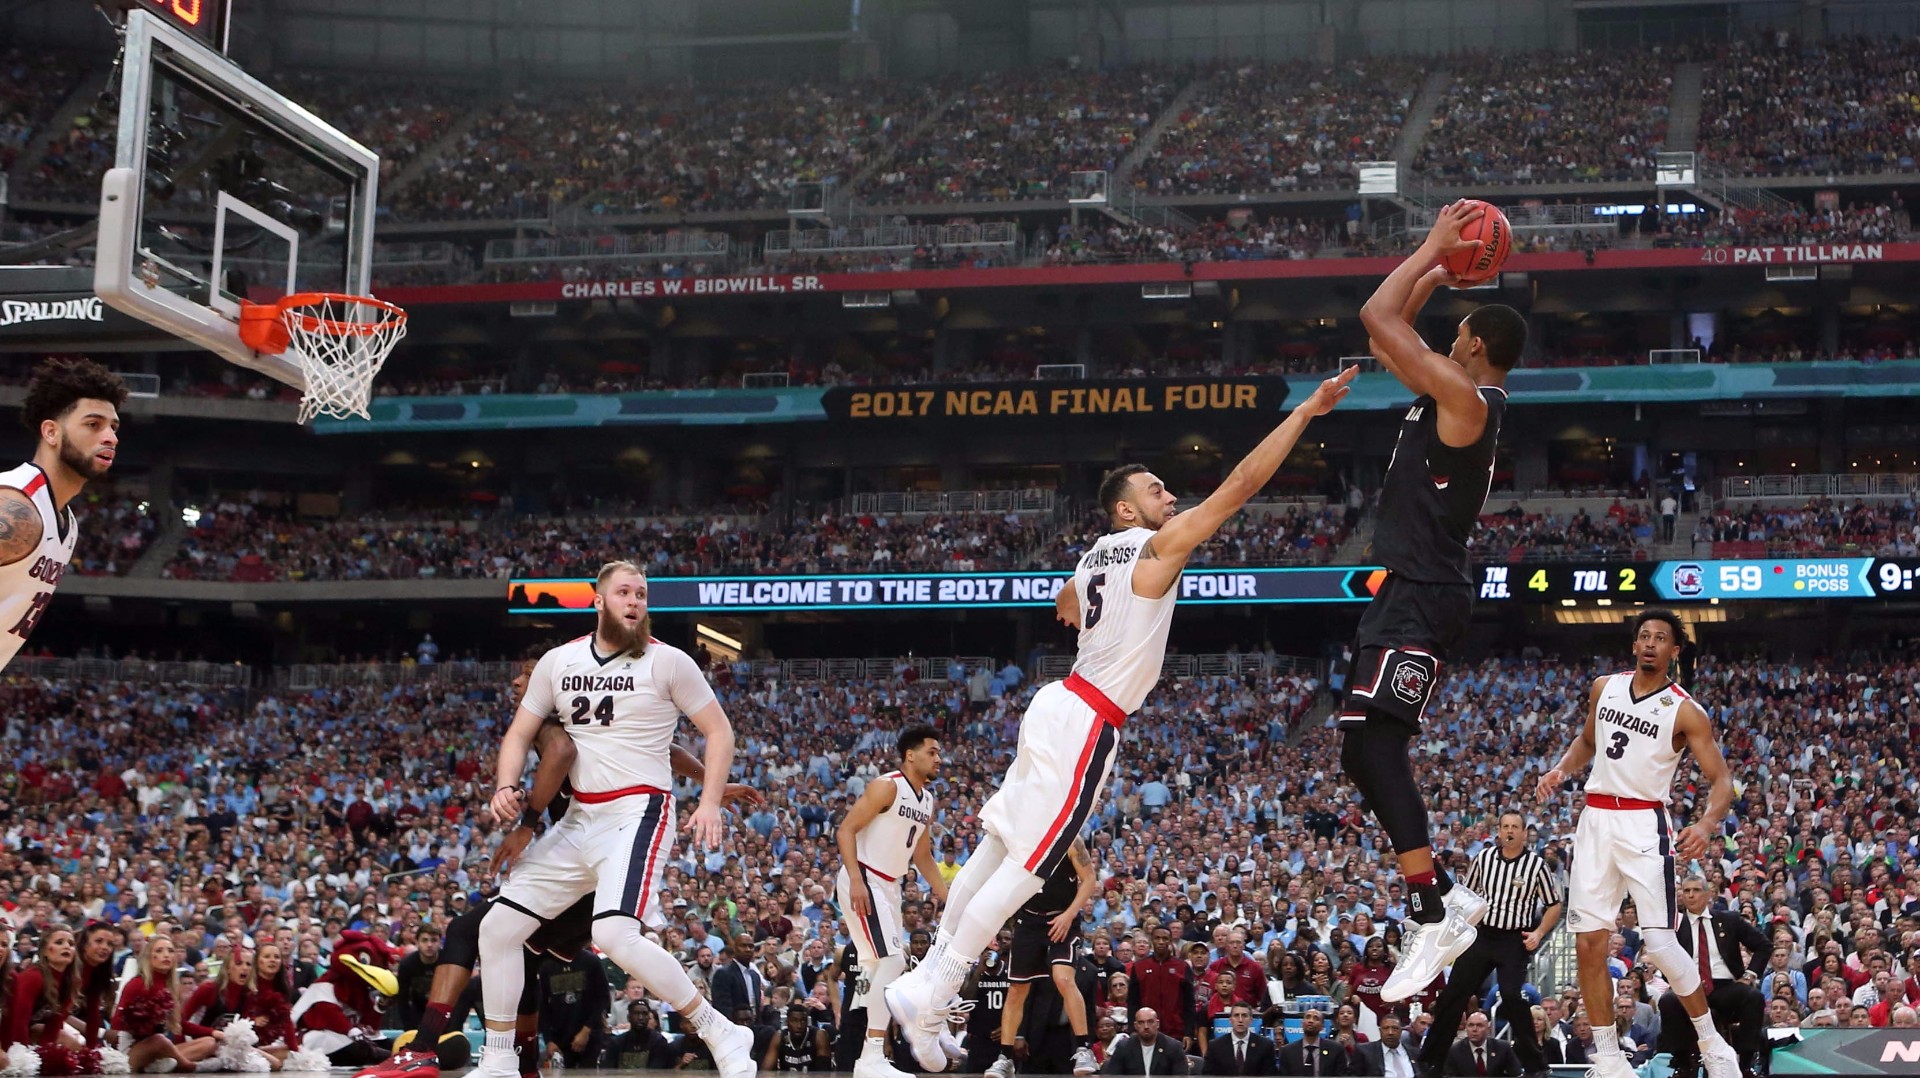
x,y
1496,239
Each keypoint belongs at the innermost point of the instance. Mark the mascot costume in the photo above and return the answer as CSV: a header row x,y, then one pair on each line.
x,y
340,1014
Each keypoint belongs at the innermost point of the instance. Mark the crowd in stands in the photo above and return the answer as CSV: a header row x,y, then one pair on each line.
x,y
661,149
1259,128
1515,534
1549,118
1021,134
1874,222
1822,525
172,808
1779,105
115,529
33,83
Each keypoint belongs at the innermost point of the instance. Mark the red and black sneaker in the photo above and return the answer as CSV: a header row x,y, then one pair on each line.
x,y
405,1064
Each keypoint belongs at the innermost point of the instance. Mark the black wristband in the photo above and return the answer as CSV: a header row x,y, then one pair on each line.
x,y
530,819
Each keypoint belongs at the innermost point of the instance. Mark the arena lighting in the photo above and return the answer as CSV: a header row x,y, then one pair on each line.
x,y
719,637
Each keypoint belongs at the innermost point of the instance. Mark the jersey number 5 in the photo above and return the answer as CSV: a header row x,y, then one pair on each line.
x,y
1619,746
602,711
1094,599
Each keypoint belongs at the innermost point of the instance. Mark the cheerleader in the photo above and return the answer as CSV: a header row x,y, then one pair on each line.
x,y
43,996
149,1013
271,1006
97,985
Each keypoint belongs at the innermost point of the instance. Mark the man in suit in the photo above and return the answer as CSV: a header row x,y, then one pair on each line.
x,y
1737,1008
1313,1054
1480,1053
738,989
1148,1051
1573,1050
1242,1051
1386,1058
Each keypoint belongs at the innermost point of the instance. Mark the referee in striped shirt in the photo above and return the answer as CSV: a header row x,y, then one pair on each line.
x,y
1523,905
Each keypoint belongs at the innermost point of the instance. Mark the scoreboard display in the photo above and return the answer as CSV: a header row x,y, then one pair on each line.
x,y
1702,580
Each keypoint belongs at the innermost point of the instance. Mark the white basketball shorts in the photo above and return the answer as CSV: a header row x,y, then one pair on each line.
x,y
1619,852
1068,741
619,849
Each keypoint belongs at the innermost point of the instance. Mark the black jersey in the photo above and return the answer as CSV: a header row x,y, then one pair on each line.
x,y
798,1054
989,997
1432,495
849,979
1055,895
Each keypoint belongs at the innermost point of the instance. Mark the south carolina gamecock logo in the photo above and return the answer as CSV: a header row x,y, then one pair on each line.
x,y
1410,681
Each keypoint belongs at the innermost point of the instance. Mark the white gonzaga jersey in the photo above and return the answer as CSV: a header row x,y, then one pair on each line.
x,y
1123,637
621,710
26,586
1633,741
886,844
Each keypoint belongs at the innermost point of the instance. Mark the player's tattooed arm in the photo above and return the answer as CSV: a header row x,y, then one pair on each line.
x,y
1147,553
20,529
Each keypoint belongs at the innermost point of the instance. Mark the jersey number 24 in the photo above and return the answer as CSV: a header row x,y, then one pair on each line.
x,y
602,711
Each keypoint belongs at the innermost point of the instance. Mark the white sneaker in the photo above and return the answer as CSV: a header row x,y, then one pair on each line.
x,y
875,1065
1083,1061
955,1053
1720,1061
1425,951
732,1048
1466,903
921,1020
1002,1068
497,1063
1611,1067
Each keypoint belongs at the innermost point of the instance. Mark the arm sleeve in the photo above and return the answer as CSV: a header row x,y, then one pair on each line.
x,y
539,698
19,1018
682,682
196,1005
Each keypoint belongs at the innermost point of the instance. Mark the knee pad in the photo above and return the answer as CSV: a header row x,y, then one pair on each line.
x,y
613,933
1663,949
505,928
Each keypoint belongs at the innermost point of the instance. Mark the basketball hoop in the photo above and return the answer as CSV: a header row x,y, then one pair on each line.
x,y
339,341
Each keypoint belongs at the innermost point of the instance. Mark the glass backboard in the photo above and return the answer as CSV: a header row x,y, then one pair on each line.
x,y
224,189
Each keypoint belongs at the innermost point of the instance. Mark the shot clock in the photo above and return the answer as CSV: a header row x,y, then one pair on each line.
x,y
206,20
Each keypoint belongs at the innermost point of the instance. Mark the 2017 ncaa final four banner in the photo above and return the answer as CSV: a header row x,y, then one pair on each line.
x,y
1684,581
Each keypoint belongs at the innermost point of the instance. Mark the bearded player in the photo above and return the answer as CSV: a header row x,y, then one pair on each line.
x,y
1638,727
420,1053
73,409
1121,598
620,695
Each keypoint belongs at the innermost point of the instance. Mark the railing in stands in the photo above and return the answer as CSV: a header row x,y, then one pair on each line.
x,y
94,671
954,501
1879,485
302,676
1228,664
691,243
786,241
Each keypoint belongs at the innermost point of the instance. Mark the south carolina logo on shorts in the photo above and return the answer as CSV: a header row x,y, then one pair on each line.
x,y
1410,681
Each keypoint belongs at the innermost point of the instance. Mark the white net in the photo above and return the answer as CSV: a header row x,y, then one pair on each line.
x,y
341,342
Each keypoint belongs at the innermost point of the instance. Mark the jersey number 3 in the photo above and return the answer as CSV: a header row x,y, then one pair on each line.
x,y
1618,748
602,711
1094,599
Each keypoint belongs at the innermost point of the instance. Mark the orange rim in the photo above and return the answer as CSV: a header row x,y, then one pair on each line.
x,y
290,305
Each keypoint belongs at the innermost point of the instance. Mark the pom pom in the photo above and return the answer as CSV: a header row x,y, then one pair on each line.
x,y
147,1014
306,1061
240,1033
113,1061
22,1062
236,1048
59,1060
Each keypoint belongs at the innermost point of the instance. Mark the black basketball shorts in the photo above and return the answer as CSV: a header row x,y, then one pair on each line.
x,y
1400,646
